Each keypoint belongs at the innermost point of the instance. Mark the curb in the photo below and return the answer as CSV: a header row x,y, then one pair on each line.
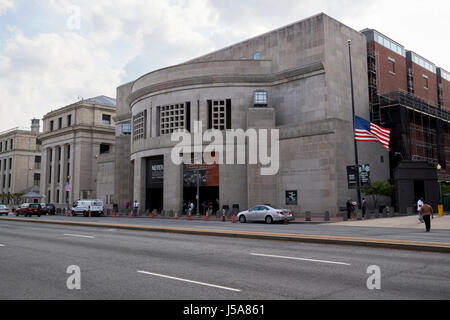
x,y
336,240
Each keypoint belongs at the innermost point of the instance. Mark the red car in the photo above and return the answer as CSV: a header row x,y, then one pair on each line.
x,y
29,209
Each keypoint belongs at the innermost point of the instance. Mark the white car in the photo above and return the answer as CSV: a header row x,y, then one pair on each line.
x,y
83,207
4,210
265,213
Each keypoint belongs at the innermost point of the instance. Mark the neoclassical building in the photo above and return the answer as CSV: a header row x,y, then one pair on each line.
x,y
20,159
76,142
295,79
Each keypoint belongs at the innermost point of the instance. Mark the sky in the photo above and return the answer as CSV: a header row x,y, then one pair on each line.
x,y
56,52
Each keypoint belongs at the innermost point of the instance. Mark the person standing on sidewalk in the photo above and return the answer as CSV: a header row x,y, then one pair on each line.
x,y
419,206
136,207
349,208
427,212
364,207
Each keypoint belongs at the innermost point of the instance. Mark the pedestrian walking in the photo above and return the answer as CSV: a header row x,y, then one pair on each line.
x,y
364,207
204,207
427,213
419,206
191,207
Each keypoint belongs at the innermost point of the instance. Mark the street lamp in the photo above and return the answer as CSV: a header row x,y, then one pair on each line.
x,y
439,167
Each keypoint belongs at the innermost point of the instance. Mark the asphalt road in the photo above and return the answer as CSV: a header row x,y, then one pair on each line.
x,y
305,229
120,264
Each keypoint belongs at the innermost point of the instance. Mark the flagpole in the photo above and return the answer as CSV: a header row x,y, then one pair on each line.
x,y
354,127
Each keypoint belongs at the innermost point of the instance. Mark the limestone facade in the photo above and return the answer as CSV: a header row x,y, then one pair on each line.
x,y
304,69
73,140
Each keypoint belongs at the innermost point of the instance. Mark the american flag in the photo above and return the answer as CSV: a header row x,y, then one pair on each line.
x,y
367,131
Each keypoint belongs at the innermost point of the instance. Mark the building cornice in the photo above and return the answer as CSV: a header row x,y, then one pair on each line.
x,y
211,79
74,107
76,129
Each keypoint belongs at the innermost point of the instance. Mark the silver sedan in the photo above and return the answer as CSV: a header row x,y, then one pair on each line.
x,y
265,213
4,210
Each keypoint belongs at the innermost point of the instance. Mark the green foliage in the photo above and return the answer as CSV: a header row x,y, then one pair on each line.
x,y
14,197
379,189
445,188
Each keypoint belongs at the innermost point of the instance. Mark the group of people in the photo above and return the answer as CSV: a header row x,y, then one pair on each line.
x,y
206,207
425,212
351,208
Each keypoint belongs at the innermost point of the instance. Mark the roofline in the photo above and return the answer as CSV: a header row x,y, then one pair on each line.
x,y
382,34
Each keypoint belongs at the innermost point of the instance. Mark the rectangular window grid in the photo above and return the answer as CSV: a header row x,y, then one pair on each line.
x,y
219,114
172,118
139,126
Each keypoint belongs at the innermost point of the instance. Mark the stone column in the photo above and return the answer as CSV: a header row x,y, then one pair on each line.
x,y
62,176
54,173
139,181
173,185
44,172
71,173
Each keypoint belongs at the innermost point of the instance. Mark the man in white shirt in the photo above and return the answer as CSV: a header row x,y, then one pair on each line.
x,y
136,207
419,206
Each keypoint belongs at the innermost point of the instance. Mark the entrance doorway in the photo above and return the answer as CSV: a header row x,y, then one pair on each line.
x,y
154,199
419,189
207,194
154,195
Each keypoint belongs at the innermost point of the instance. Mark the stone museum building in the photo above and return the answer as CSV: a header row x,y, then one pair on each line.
x,y
77,152
20,160
295,79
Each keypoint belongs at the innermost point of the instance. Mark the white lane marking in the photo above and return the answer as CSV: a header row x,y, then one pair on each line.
x,y
190,281
301,259
2,245
78,235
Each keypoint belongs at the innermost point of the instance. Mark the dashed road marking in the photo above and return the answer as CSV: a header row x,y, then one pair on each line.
x,y
78,235
190,281
301,259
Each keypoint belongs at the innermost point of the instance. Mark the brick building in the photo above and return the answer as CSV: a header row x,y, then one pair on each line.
x,y
409,95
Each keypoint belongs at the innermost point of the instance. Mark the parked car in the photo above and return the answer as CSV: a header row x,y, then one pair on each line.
x,y
85,206
4,210
48,208
265,213
29,209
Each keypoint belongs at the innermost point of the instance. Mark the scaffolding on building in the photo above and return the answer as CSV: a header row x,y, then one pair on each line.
x,y
420,130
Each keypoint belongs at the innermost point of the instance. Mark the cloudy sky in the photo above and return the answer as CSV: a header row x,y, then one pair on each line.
x,y
54,51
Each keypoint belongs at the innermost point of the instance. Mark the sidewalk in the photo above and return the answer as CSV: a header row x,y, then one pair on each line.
x,y
409,222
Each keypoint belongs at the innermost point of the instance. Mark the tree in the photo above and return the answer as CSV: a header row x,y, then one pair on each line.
x,y
445,188
15,197
379,189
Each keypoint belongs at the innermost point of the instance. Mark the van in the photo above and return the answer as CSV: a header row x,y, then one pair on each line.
x,y
82,207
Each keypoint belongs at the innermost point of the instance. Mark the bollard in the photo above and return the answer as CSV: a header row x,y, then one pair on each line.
x,y
223,215
234,218
359,215
345,217
327,216
308,216
441,210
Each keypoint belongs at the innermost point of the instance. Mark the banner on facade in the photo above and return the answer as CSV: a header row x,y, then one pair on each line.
x,y
208,175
